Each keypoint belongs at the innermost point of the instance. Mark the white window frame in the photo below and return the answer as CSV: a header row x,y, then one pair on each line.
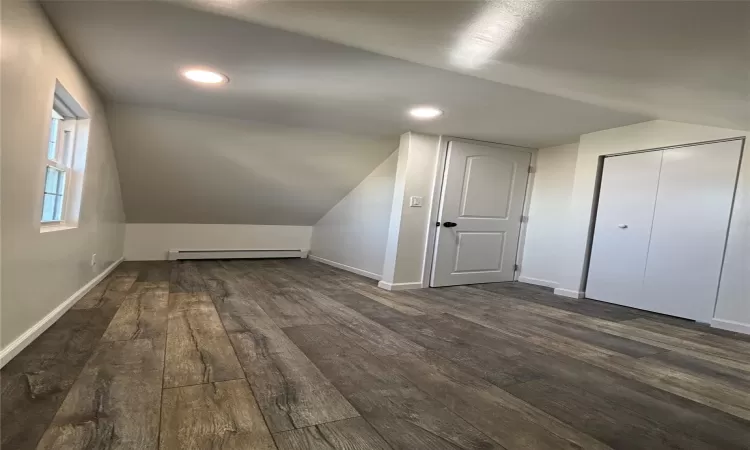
x,y
63,160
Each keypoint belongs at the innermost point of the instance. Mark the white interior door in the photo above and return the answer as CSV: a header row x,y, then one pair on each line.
x,y
689,231
623,225
480,214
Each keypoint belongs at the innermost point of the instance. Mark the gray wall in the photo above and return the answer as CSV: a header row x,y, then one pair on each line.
x,y
41,270
354,233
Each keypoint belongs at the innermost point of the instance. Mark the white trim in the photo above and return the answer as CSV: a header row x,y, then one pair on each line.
x,y
731,325
364,273
399,286
569,293
538,281
22,341
437,187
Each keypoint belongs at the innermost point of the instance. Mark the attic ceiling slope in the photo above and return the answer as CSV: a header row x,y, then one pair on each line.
x,y
187,168
684,61
134,50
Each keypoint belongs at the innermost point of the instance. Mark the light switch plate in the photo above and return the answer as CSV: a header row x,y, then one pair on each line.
x,y
415,202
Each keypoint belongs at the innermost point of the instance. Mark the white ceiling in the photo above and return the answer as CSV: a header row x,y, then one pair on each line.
x,y
319,90
677,60
133,51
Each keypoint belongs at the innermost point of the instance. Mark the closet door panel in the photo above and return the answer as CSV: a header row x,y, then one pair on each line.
x,y
623,225
688,236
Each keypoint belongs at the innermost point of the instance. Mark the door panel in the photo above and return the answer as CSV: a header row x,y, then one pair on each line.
x,y
689,230
483,193
623,226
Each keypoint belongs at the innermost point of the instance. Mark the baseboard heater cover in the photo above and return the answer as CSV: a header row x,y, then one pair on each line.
x,y
174,254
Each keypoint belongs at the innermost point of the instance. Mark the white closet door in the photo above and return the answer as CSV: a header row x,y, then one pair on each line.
x,y
689,232
623,227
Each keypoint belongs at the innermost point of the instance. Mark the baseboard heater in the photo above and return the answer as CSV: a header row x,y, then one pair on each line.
x,y
174,255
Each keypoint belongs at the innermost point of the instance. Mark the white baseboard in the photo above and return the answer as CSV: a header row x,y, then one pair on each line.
x,y
399,286
569,293
731,325
22,341
364,273
538,281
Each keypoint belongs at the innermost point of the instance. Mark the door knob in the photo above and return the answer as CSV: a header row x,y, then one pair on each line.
x,y
449,224
622,225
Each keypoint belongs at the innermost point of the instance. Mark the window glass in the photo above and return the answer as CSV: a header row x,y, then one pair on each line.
x,y
52,147
54,188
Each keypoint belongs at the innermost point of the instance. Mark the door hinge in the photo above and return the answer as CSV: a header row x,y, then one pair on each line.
x,y
532,169
524,219
516,267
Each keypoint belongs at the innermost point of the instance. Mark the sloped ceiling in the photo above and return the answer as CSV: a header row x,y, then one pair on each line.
x,y
187,168
134,50
674,60
319,91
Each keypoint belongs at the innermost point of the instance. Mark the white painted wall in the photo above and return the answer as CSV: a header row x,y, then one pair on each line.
x,y
548,214
41,270
179,167
409,227
152,241
354,233
733,304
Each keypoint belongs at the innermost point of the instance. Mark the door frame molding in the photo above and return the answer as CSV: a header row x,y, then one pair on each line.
x,y
437,192
597,190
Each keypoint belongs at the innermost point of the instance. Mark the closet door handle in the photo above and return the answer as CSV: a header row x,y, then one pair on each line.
x,y
622,226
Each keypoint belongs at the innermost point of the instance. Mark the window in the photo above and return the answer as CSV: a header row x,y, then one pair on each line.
x,y
64,162
58,165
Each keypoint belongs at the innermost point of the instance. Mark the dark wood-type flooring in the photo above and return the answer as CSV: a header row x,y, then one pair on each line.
x,y
292,354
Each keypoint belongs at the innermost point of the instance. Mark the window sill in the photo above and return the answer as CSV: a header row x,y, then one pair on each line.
x,y
56,227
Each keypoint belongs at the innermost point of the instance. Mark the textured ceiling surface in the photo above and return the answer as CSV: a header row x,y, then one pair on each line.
x,y
319,91
676,60
134,50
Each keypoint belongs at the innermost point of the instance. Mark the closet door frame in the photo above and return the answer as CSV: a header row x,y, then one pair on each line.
x,y
597,189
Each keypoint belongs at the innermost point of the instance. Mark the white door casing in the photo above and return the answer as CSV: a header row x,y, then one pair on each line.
x,y
483,193
623,226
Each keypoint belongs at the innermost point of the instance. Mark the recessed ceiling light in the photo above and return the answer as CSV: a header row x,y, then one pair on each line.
x,y
204,76
425,112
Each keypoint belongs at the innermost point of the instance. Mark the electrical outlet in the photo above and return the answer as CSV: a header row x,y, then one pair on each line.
x,y
93,260
415,202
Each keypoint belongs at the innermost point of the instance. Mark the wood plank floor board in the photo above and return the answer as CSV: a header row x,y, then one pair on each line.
x,y
731,344
365,332
500,364
221,415
185,278
93,297
616,426
545,297
143,313
407,418
35,382
112,297
347,434
349,367
115,402
508,420
321,358
198,349
291,391
184,301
